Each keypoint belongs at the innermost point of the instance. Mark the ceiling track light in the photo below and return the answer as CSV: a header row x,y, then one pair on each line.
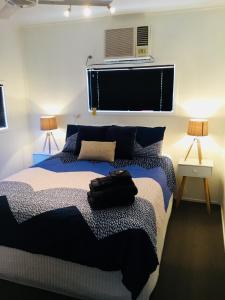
x,y
112,9
87,11
67,12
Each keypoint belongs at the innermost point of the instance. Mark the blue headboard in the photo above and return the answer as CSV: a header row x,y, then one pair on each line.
x,y
144,136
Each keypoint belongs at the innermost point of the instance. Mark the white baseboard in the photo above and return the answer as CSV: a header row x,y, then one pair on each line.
x,y
199,200
223,226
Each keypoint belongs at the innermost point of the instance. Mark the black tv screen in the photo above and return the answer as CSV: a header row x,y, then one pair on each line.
x,y
131,89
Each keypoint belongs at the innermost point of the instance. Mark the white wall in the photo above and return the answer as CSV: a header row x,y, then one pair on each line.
x,y
14,149
55,64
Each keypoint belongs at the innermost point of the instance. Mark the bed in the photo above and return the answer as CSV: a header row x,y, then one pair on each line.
x,y
53,239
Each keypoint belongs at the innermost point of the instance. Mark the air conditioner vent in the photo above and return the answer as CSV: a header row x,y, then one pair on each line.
x,y
142,36
119,42
127,43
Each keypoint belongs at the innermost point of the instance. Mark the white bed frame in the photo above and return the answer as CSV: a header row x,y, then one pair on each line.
x,y
72,279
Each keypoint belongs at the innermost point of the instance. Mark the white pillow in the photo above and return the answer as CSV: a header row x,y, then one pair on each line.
x,y
93,150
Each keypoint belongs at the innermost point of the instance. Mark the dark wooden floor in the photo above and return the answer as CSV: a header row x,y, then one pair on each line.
x,y
193,262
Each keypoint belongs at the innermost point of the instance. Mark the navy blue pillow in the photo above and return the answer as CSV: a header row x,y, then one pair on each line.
x,y
147,136
125,138
148,142
71,143
90,133
71,129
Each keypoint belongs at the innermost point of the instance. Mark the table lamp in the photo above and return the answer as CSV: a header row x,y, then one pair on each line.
x,y
49,123
197,128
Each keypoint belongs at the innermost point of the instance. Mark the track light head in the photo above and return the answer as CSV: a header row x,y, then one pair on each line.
x,y
112,9
67,12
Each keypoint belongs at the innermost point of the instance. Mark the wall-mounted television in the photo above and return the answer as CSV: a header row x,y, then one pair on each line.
x,y
131,89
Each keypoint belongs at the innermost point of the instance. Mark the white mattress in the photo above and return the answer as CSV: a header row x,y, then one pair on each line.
x,y
70,278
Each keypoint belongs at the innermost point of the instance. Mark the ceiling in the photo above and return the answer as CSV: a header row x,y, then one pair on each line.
x,y
50,13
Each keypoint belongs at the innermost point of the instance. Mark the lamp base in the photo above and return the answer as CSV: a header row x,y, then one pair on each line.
x,y
49,136
195,140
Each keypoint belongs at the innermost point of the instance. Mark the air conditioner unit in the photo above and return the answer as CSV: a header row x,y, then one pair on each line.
x,y
131,43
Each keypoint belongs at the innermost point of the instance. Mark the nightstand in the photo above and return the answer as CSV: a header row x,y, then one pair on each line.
x,y
40,156
192,168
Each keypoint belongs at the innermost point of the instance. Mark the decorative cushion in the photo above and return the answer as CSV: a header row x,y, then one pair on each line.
x,y
90,133
148,141
147,136
149,151
71,142
71,129
94,150
124,137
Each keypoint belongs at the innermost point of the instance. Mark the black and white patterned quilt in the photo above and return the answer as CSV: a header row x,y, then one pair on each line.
x,y
44,210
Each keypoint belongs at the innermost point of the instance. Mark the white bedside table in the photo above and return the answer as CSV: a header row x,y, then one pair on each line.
x,y
192,168
38,157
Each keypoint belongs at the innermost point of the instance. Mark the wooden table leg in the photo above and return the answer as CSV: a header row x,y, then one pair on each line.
x,y
181,190
207,194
